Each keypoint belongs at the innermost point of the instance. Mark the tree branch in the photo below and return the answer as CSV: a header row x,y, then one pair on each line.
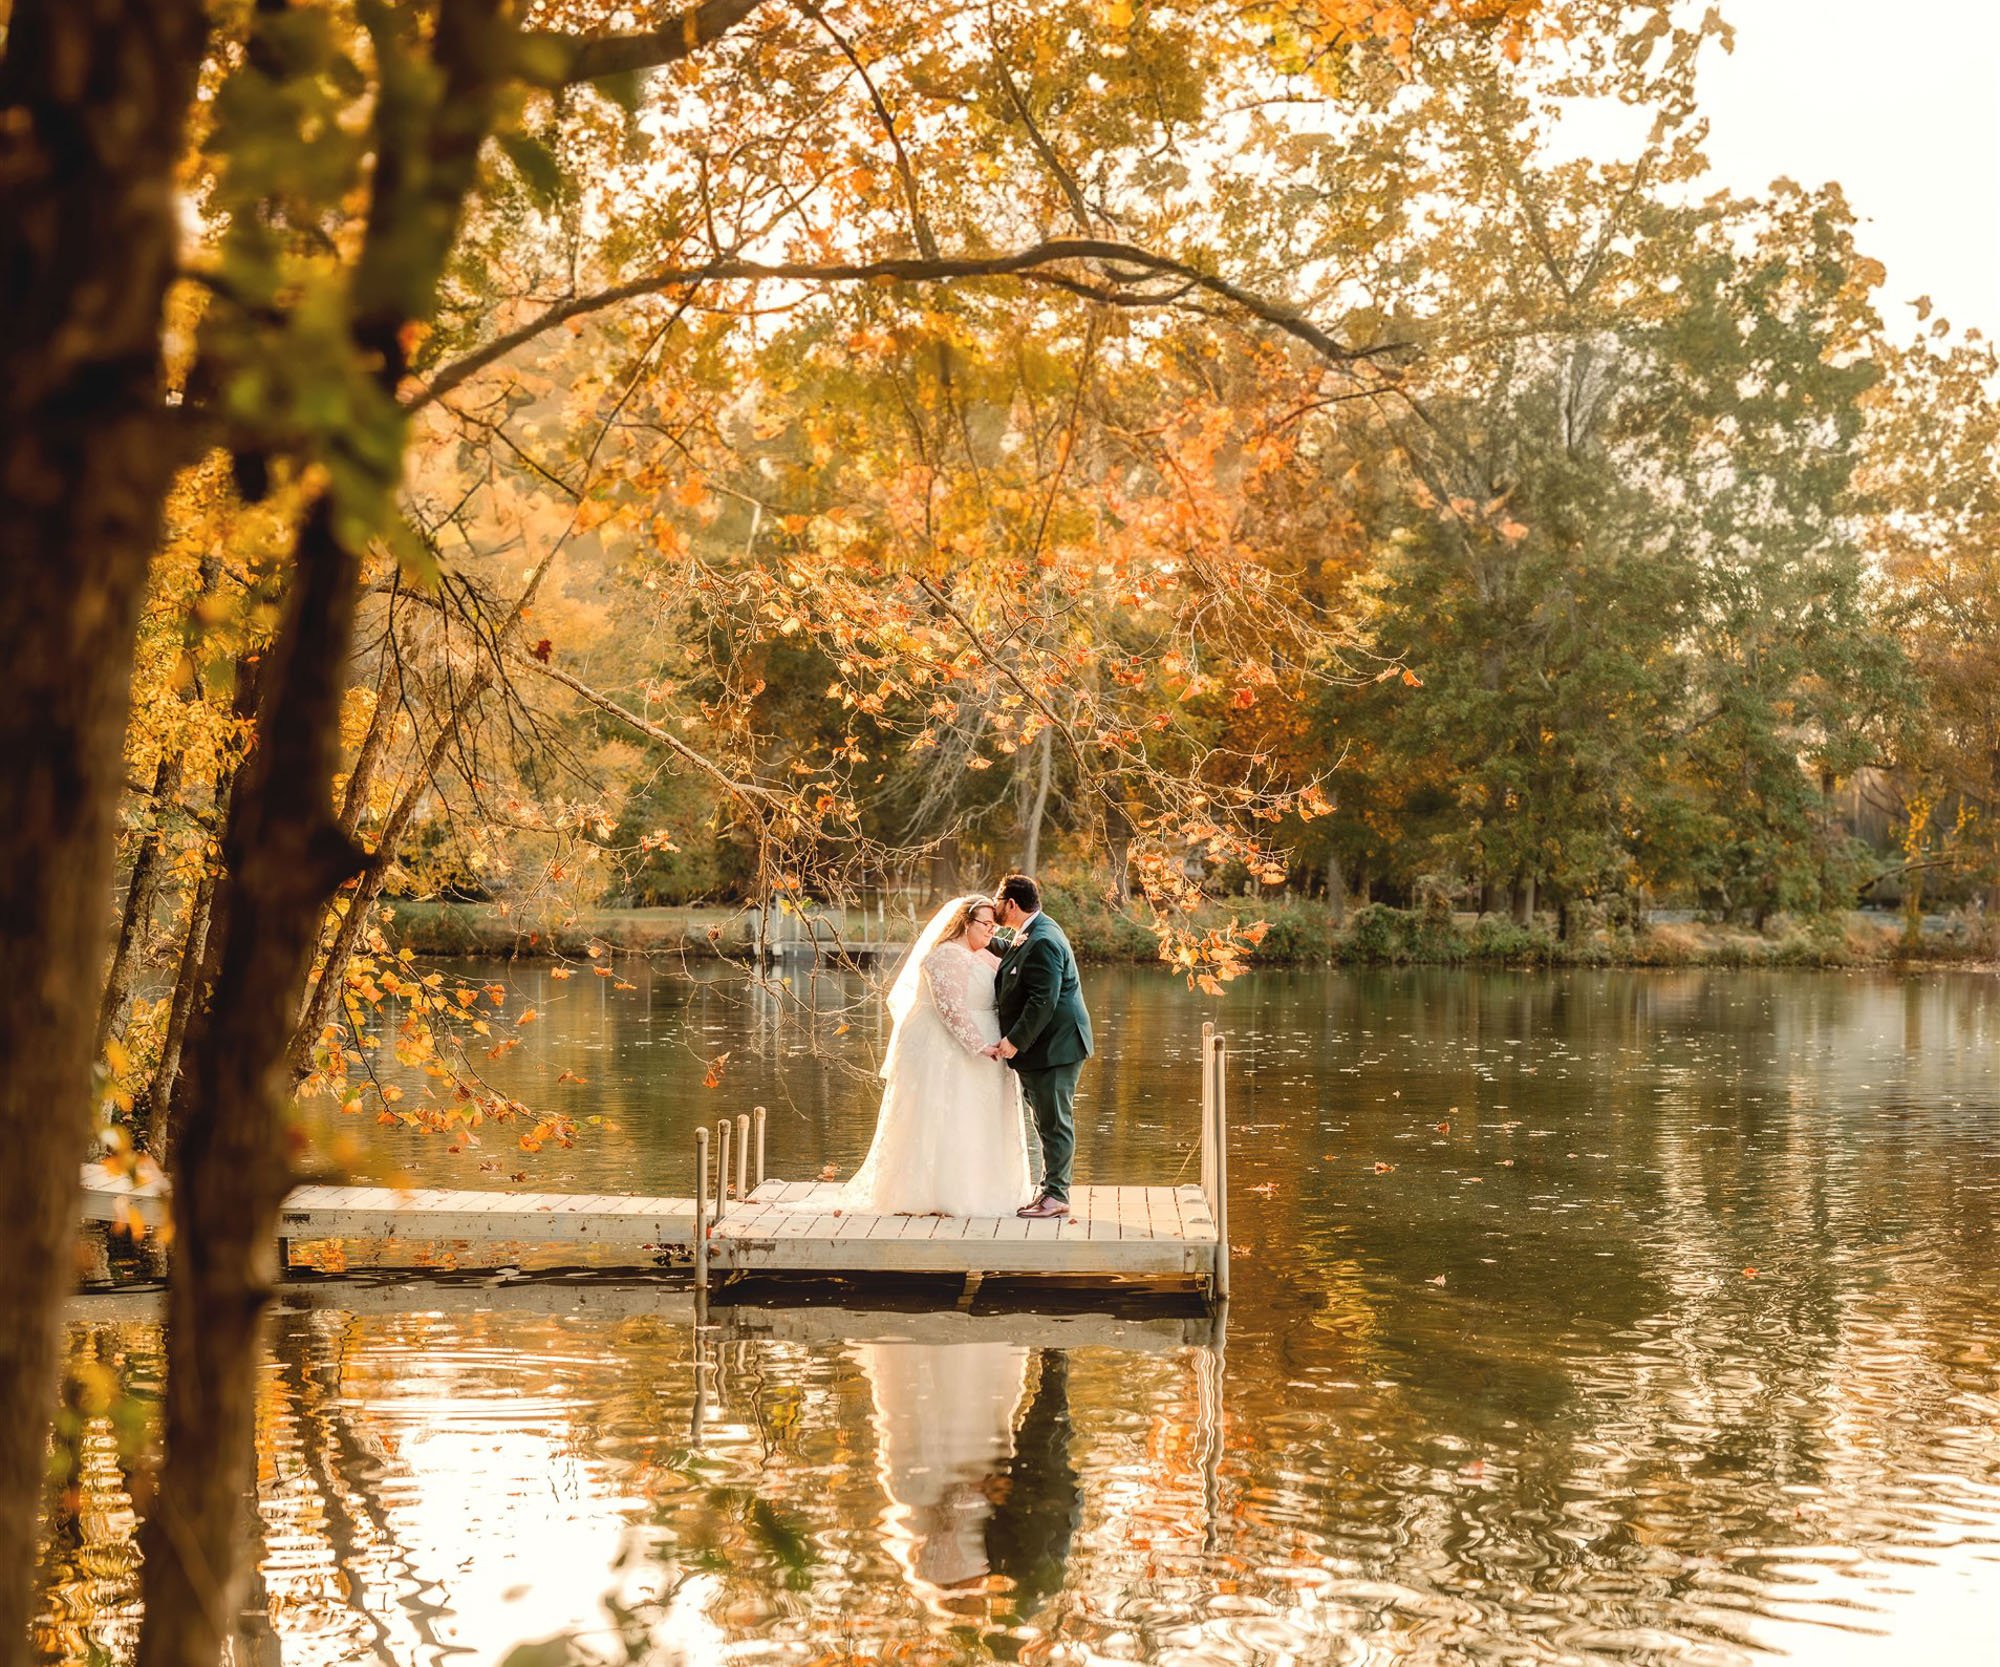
x,y
549,58
1108,253
927,241
757,798
1072,192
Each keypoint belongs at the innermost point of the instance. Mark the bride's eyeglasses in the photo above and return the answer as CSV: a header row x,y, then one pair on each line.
x,y
978,923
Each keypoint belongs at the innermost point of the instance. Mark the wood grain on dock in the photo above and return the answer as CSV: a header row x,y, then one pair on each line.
x,y
800,1226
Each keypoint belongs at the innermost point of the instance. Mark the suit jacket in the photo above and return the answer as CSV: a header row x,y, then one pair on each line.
x,y
1040,998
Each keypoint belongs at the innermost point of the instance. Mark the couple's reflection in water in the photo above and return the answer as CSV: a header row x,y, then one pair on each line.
x,y
973,1451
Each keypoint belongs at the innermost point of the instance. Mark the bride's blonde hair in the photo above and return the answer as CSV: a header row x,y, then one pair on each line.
x,y
962,915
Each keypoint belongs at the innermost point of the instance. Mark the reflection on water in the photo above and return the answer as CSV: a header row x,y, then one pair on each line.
x,y
1595,1318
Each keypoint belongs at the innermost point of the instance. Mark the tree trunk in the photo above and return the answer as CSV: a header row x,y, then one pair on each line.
x,y
201,952
368,761
152,1115
232,1159
92,99
142,896
284,853
1031,846
944,869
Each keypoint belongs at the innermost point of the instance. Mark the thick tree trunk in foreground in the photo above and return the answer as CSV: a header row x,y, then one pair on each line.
x,y
283,854
92,99
232,1159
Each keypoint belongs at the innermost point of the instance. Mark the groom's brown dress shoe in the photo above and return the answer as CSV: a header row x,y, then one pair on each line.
x,y
1045,1208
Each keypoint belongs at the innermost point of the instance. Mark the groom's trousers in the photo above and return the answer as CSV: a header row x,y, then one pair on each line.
x,y
1051,1095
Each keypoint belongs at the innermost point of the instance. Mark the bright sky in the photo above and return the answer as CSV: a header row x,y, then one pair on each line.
x,y
1901,105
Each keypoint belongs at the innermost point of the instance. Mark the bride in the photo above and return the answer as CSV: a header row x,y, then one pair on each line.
x,y
951,1137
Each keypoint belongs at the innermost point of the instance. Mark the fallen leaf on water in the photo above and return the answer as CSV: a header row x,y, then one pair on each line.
x,y
1506,1163
1384,1168
714,1077
829,1172
1749,1273
1442,1128
1266,1189
1437,1281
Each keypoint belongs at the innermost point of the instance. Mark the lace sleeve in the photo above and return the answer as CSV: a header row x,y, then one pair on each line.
x,y
946,971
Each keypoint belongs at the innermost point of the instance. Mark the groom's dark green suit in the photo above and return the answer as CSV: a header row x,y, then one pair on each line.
x,y
1040,999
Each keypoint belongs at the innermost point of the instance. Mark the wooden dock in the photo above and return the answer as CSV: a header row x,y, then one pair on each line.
x,y
738,1222
1138,1232
428,1215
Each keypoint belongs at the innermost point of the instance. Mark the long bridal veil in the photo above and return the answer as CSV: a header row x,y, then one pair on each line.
x,y
908,983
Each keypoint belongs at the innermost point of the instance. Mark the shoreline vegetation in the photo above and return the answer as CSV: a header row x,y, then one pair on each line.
x,y
1300,933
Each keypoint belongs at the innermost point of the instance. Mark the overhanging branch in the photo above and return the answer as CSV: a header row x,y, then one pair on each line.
x,y
1117,266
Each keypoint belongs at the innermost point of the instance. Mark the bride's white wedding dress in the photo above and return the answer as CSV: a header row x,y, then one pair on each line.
x,y
951,1137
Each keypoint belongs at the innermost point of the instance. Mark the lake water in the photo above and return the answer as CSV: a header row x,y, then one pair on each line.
x,y
1584,1317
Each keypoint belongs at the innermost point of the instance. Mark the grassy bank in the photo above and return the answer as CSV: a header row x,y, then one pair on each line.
x,y
1299,934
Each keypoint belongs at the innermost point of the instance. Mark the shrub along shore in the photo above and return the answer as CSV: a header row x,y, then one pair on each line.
x,y
1299,933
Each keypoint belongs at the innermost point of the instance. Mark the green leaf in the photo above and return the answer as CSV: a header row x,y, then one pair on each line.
x,y
537,166
622,89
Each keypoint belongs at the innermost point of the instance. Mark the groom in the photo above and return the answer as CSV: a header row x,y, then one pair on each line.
x,y
1045,1031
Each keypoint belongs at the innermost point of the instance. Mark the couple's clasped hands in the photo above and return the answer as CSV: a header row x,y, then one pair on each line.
x,y
1002,1049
